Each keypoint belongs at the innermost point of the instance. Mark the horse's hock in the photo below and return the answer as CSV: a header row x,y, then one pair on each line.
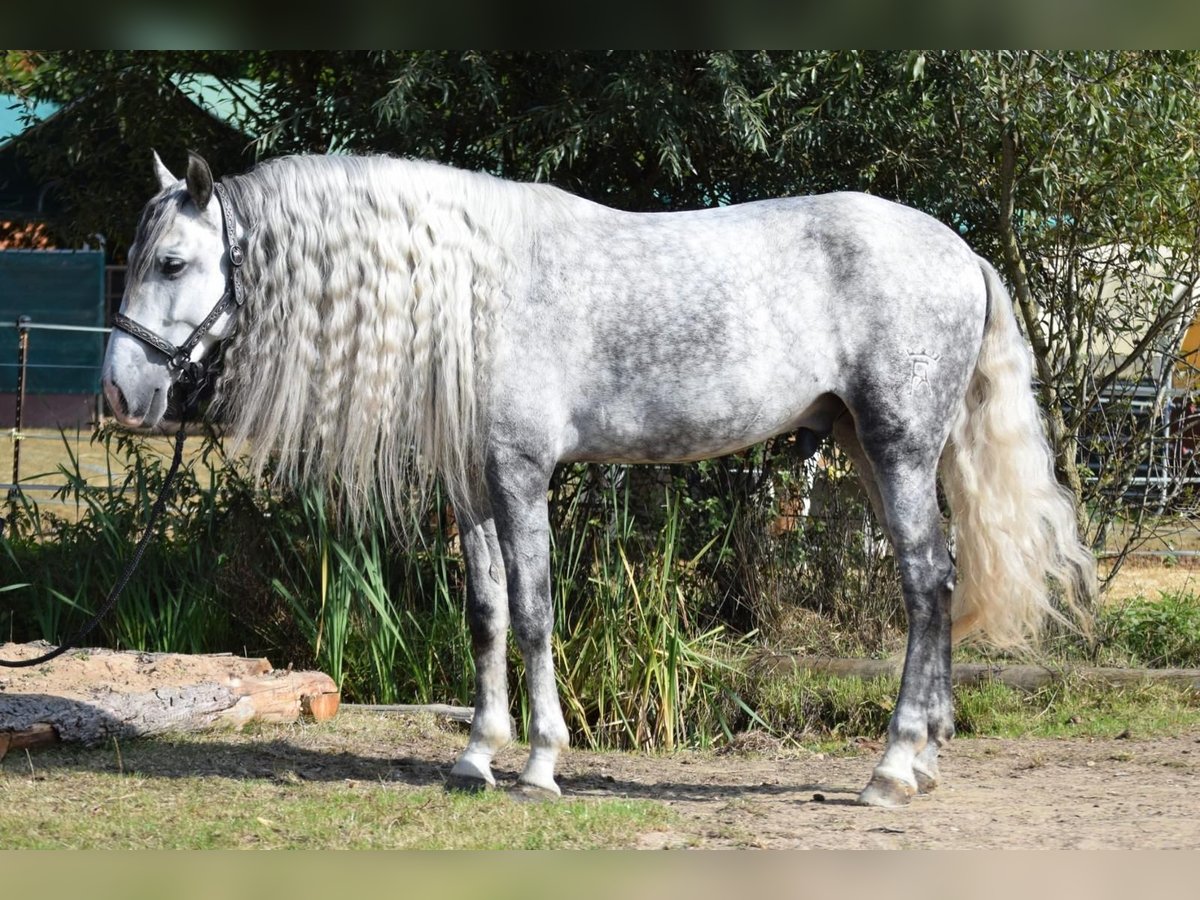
x,y
90,696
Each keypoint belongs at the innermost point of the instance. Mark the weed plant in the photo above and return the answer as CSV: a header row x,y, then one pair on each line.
x,y
639,662
826,711
1152,633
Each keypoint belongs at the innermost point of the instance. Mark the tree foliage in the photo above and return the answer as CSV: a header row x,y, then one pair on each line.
x,y
116,107
1074,172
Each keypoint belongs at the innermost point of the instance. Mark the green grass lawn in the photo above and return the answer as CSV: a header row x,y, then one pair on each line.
x,y
109,810
315,786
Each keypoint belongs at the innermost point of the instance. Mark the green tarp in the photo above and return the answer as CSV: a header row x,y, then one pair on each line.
x,y
52,287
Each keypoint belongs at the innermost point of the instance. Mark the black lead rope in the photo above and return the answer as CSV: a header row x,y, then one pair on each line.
x,y
155,511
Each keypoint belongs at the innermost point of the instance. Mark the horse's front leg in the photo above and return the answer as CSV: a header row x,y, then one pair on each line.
x,y
487,616
518,488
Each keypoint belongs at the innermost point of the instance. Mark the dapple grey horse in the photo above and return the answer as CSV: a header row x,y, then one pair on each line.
x,y
388,322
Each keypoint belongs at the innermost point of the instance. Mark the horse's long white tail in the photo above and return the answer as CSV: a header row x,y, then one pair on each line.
x,y
1014,525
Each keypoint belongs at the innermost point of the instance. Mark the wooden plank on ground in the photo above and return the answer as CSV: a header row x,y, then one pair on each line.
x,y
462,714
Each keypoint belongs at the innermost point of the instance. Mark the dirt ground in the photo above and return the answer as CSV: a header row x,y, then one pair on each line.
x,y
1031,794
1119,793
1034,794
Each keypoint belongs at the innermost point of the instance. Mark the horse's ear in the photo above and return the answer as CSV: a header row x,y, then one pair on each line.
x,y
199,180
165,178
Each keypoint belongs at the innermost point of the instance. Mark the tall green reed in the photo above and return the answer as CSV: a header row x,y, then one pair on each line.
x,y
636,664
387,624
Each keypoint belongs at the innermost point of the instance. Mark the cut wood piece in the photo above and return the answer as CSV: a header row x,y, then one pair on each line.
x,y
279,696
92,695
319,707
33,738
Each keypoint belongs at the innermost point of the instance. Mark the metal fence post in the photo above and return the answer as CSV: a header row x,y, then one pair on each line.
x,y
22,355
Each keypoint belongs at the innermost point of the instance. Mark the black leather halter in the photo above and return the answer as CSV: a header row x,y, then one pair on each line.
x,y
189,375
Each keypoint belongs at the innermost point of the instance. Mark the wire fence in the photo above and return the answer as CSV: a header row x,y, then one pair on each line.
x,y
24,369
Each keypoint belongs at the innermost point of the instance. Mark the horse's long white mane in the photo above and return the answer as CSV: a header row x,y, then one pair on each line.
x,y
361,355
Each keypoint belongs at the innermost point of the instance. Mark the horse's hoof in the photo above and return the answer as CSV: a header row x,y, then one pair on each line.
x,y
926,782
885,791
465,784
525,791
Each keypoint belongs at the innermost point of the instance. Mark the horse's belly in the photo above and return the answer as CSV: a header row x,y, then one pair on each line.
x,y
666,429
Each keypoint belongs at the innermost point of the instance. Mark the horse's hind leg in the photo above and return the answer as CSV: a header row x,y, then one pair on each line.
x,y
487,615
923,719
900,476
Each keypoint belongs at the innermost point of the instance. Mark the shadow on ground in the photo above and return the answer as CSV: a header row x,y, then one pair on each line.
x,y
274,759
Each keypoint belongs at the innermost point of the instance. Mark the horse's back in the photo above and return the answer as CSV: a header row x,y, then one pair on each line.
x,y
679,335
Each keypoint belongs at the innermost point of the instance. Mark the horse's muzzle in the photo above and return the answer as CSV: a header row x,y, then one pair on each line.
x,y
119,406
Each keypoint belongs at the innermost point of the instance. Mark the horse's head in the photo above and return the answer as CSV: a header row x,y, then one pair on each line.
x,y
179,268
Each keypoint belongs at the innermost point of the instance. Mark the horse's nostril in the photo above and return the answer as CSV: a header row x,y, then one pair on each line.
x,y
116,399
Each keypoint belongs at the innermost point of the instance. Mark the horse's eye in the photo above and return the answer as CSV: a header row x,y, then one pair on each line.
x,y
172,266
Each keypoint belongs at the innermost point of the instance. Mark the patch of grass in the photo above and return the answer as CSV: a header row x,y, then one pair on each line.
x,y
1076,707
1157,633
816,709
331,786
110,811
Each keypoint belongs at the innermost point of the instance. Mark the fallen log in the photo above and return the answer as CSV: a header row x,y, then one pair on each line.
x,y
1023,677
90,696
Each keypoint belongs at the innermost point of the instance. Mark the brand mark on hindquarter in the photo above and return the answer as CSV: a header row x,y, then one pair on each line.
x,y
923,363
